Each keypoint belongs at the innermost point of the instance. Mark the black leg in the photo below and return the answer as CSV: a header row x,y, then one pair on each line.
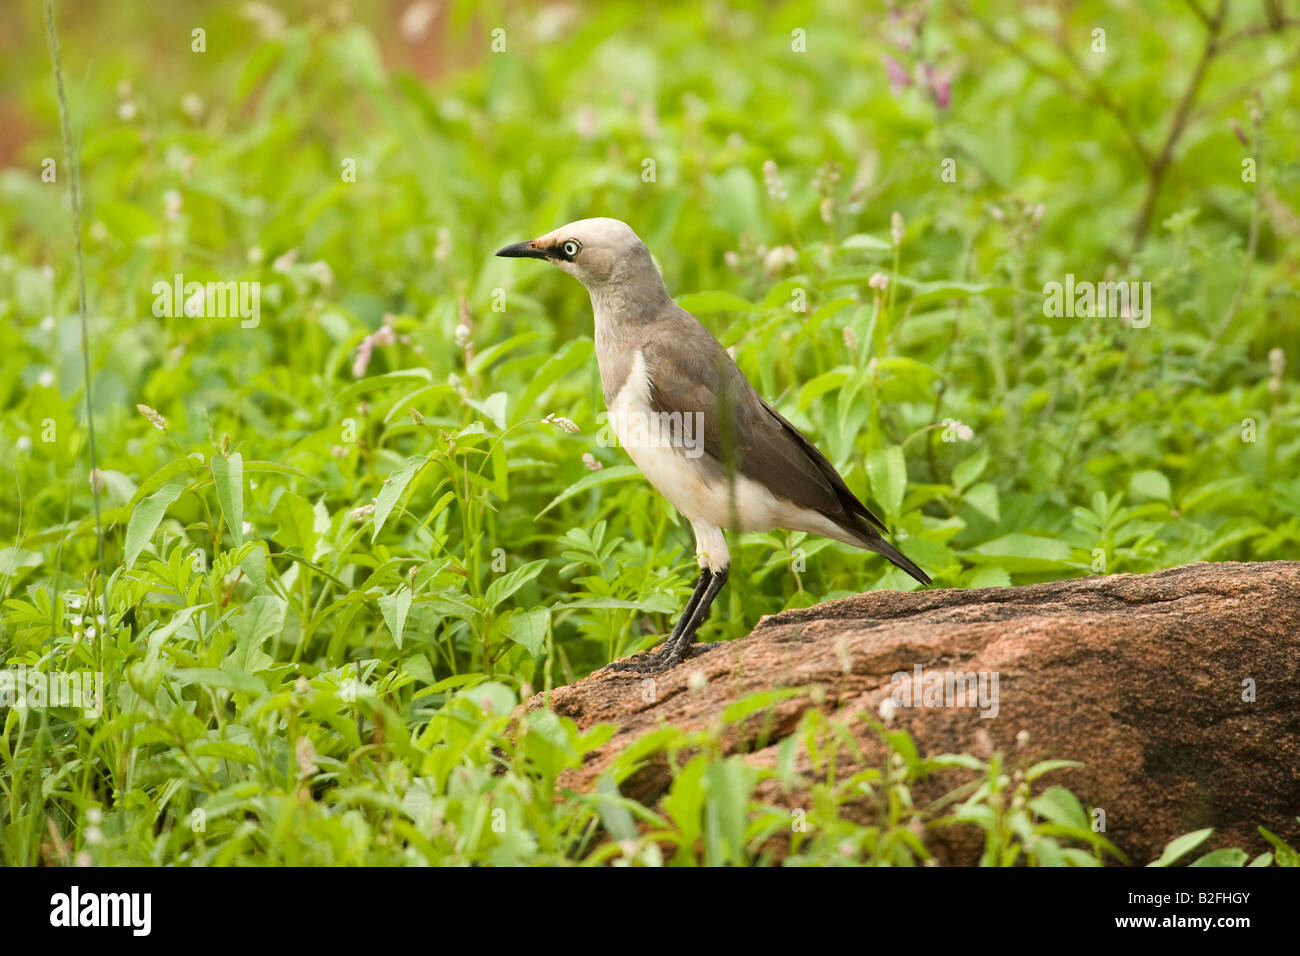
x,y
701,585
678,647
677,650
637,661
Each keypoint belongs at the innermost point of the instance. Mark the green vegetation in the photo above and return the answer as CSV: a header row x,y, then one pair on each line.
x,y
341,543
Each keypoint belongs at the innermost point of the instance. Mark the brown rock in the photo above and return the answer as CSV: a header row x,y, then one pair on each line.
x,y
1138,676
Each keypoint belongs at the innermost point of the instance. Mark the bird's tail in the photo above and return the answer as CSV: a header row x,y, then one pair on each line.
x,y
882,547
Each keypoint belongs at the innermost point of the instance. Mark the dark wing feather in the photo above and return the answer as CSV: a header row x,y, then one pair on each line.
x,y
846,497
742,430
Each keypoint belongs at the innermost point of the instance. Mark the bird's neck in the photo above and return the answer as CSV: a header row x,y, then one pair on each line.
x,y
624,306
638,299
625,313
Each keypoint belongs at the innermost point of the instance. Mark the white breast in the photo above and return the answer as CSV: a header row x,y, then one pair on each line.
x,y
669,450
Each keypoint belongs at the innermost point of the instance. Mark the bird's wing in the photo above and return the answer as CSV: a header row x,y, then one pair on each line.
x,y
691,372
846,497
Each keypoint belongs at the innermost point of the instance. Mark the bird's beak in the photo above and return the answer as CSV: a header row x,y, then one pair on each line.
x,y
523,250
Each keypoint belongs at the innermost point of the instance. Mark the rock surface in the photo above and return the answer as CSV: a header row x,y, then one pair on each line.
x,y
1144,678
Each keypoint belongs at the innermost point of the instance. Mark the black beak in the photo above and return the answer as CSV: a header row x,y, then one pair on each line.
x,y
523,250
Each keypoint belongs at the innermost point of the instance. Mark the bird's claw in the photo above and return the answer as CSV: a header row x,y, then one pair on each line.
x,y
669,655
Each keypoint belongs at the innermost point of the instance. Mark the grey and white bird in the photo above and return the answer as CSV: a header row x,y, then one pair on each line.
x,y
694,425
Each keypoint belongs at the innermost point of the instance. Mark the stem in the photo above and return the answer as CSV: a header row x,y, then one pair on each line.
x,y
74,186
1160,165
1252,241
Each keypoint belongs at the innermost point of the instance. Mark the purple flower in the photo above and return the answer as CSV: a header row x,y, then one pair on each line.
x,y
941,87
938,82
898,78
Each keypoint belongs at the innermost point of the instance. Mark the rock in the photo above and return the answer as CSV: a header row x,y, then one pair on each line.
x,y
1144,678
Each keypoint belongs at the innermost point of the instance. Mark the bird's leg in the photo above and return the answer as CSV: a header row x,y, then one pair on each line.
x,y
678,647
638,660
681,644
701,586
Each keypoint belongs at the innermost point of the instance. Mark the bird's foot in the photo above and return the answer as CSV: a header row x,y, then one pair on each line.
x,y
637,660
695,650
669,655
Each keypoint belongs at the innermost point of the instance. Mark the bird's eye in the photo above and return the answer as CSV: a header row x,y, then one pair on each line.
x,y
570,248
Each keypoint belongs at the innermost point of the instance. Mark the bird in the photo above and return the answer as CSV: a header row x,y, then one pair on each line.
x,y
695,426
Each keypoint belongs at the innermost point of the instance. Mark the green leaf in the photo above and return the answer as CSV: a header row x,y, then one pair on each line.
x,y
1047,766
494,407
13,559
826,382
220,678
275,468
160,637
868,242
904,379
1060,806
395,607
228,475
726,785
192,464
1181,846
738,710
418,666
615,816
403,377
781,294
989,576
297,523
456,680
1231,856
508,584
983,497
127,221
966,761
254,566
941,291
394,485
1024,552
591,480
492,697
663,606
498,350
529,628
119,489
969,469
1149,486
1285,854
145,519
733,202
226,750
888,472
260,619
571,355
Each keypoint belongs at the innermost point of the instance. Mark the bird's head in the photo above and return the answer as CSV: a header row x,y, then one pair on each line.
x,y
599,253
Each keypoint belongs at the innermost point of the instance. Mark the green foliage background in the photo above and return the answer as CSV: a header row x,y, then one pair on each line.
x,y
249,586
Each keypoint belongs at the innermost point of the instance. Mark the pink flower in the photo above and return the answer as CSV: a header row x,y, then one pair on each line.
x,y
383,336
898,78
939,83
